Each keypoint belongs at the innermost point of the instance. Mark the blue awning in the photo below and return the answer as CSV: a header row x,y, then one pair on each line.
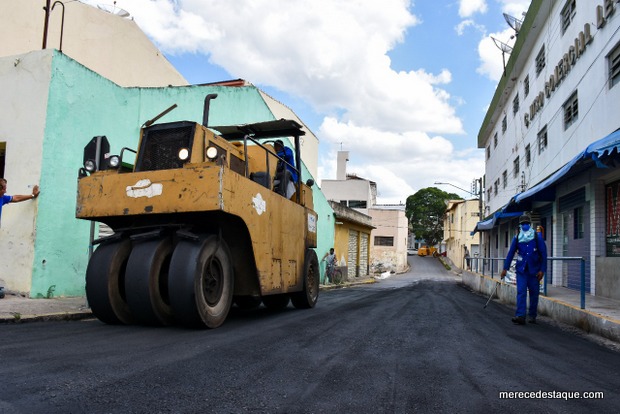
x,y
545,190
488,224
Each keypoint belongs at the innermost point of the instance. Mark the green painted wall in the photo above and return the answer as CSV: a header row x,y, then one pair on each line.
x,y
82,105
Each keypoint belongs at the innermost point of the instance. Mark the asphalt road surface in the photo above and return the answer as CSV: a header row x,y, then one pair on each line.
x,y
417,342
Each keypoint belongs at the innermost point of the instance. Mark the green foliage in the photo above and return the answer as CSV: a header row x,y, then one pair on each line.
x,y
425,211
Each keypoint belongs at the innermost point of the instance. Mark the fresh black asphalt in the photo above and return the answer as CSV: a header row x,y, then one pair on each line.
x,y
417,342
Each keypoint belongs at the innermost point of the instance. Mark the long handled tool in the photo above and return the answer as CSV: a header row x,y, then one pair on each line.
x,y
492,294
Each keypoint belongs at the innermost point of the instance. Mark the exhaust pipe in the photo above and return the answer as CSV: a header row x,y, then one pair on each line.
x,y
205,112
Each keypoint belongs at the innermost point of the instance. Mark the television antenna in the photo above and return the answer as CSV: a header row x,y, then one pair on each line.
x,y
504,48
514,23
112,9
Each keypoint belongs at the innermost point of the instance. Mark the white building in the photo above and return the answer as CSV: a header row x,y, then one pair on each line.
x,y
388,249
551,139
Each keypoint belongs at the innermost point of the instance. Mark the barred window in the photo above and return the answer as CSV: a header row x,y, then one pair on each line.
x,y
528,155
505,179
495,140
515,165
567,14
614,66
542,139
515,105
504,124
384,241
488,152
526,85
540,60
578,223
571,110
496,187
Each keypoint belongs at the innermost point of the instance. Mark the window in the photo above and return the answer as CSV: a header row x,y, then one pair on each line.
x,y
489,193
571,110
542,139
495,140
515,105
496,187
567,14
515,165
488,152
505,179
614,66
384,241
343,202
504,125
526,85
528,155
540,60
578,222
357,203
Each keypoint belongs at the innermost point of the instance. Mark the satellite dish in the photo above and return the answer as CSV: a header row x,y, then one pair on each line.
x,y
513,22
502,46
112,9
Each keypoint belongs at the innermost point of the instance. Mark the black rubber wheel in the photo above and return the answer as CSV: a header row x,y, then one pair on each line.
x,y
276,302
308,297
105,282
146,283
200,282
247,302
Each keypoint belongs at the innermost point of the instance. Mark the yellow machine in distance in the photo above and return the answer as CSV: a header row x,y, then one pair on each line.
x,y
200,221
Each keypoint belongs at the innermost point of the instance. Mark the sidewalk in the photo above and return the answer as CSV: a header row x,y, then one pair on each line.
x,y
601,316
16,308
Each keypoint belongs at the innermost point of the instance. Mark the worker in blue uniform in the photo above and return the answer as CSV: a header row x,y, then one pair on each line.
x,y
530,267
286,174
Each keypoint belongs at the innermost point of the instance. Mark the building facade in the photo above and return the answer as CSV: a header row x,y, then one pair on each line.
x,y
351,240
551,141
388,240
461,216
53,104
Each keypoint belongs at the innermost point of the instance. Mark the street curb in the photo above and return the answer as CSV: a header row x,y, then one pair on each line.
x,y
64,316
348,284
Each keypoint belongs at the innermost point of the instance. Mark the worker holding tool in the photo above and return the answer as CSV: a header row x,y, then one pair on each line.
x,y
531,267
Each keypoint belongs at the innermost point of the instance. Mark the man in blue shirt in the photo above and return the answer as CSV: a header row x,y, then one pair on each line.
x,y
287,154
531,267
286,178
6,199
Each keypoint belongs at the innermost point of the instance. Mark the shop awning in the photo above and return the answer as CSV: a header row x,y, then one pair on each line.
x,y
545,190
488,224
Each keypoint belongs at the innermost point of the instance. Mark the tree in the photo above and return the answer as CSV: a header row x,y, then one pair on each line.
x,y
425,211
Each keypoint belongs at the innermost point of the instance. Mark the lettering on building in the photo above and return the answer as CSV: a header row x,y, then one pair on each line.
x,y
561,70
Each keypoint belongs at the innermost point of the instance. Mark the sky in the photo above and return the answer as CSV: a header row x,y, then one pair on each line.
x,y
403,85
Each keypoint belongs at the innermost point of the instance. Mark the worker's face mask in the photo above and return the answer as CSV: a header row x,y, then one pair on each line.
x,y
525,227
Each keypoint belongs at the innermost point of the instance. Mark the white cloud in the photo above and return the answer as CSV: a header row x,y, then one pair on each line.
x,y
401,163
491,64
468,8
333,54
460,28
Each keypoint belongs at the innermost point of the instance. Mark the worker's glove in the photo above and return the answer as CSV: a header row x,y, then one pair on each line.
x,y
503,275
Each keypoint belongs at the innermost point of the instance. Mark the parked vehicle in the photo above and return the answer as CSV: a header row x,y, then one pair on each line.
x,y
427,251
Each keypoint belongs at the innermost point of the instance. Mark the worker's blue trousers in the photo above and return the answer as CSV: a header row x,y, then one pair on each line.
x,y
527,281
